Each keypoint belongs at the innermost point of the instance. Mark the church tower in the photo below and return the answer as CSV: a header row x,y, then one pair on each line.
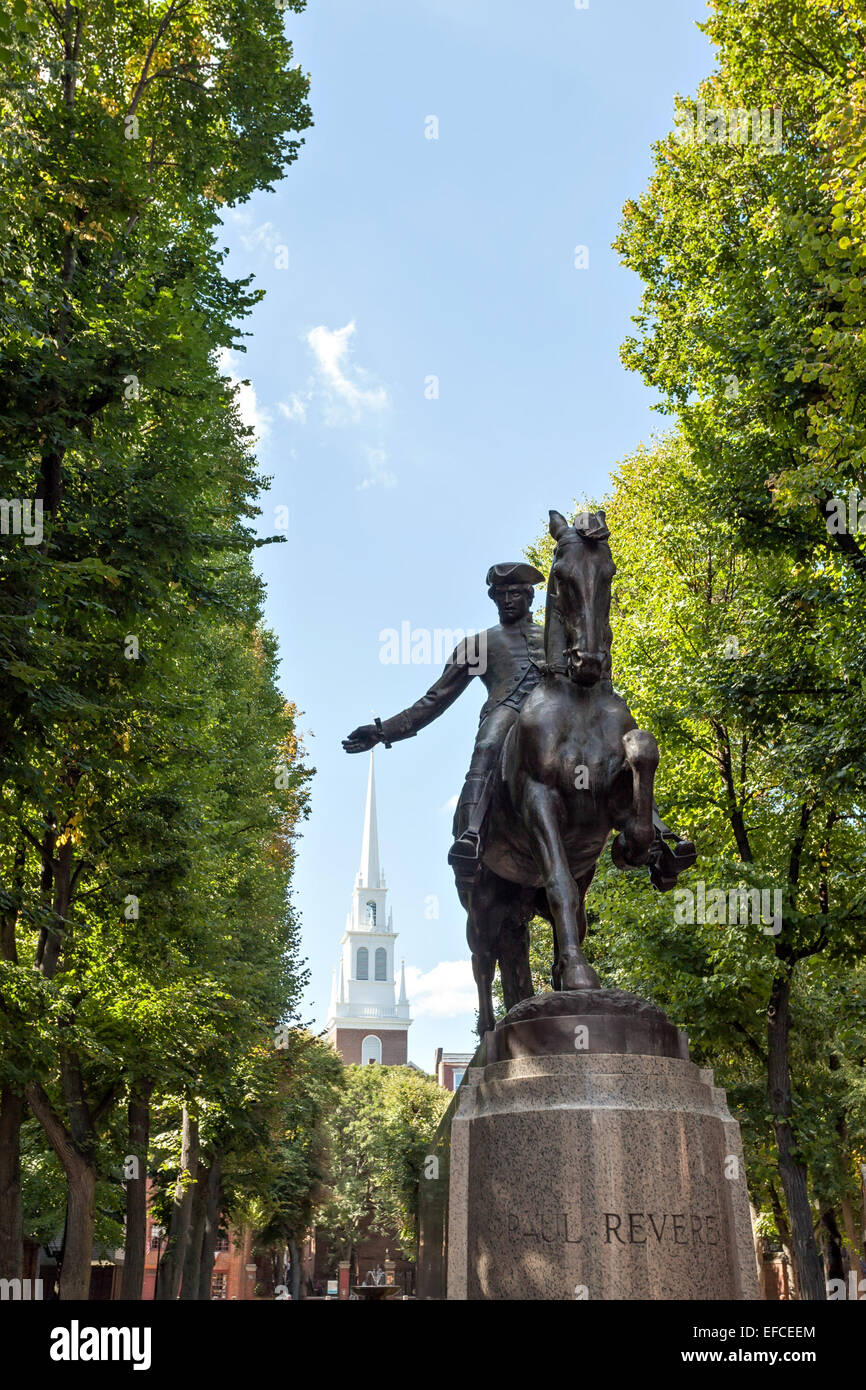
x,y
367,1020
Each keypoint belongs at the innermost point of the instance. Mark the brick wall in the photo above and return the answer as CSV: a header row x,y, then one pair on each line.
x,y
395,1045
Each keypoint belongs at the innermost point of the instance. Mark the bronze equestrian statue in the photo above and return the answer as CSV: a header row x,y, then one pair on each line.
x,y
558,765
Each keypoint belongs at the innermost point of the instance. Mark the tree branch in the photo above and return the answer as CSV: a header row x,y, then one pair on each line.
x,y
56,1132
169,15
797,848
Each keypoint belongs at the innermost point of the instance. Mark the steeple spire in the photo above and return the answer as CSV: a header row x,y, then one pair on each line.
x,y
369,870
367,1022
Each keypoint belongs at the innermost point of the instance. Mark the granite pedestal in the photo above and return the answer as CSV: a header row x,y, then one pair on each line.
x,y
586,1157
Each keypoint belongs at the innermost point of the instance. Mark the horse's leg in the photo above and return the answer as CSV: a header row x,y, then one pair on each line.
x,y
542,909
482,927
514,957
583,887
540,810
632,845
483,966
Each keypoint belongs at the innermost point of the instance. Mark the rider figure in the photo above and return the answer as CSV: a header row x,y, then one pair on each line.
x,y
509,659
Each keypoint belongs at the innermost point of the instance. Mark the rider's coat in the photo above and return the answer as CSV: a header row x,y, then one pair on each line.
x,y
507,658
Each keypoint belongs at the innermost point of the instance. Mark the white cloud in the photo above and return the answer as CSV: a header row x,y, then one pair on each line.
x,y
295,408
343,390
446,991
450,804
377,474
251,413
345,385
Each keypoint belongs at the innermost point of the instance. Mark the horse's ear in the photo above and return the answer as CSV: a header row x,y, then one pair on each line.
x,y
558,525
592,526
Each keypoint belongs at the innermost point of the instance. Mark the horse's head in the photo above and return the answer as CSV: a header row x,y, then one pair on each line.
x,y
578,598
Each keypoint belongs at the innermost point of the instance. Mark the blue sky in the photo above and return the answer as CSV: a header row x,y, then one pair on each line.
x,y
389,258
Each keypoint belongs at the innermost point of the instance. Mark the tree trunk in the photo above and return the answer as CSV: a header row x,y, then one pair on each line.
x,y
12,1106
189,1287
181,1212
835,1267
757,1245
851,1232
136,1192
11,1223
295,1254
784,1236
52,941
835,1064
213,1211
810,1277
78,1245
81,1185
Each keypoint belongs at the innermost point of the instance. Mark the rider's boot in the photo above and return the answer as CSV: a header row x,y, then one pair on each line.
x,y
466,849
464,856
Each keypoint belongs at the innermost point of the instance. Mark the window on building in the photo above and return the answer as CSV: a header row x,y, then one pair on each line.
x,y
222,1243
371,914
371,1050
362,971
381,963
156,1235
459,1073
218,1286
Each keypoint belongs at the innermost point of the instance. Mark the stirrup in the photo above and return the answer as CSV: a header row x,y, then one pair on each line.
x,y
466,849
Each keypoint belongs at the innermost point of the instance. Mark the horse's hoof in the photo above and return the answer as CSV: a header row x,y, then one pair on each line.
x,y
579,977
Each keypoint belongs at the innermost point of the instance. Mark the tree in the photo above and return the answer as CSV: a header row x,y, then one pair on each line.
x,y
751,253
378,1136
733,662
751,328
130,128
277,1177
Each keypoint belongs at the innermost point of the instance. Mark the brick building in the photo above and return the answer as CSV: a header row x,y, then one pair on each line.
x,y
235,1273
449,1068
367,1020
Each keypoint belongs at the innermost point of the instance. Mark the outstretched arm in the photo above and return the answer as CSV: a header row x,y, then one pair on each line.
x,y
442,693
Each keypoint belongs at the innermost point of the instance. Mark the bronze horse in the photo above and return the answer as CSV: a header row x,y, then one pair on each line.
x,y
574,768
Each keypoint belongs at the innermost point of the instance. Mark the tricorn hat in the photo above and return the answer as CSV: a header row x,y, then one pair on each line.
x,y
518,573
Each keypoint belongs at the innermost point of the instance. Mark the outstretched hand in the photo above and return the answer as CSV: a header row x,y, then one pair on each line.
x,y
363,738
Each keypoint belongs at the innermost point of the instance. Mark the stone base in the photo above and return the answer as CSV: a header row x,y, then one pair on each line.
x,y
585,1156
599,1176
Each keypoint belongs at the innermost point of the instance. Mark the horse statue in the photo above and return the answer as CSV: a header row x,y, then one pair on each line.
x,y
574,768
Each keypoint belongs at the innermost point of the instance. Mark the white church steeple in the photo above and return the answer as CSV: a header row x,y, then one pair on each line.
x,y
369,875
368,898
365,1011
